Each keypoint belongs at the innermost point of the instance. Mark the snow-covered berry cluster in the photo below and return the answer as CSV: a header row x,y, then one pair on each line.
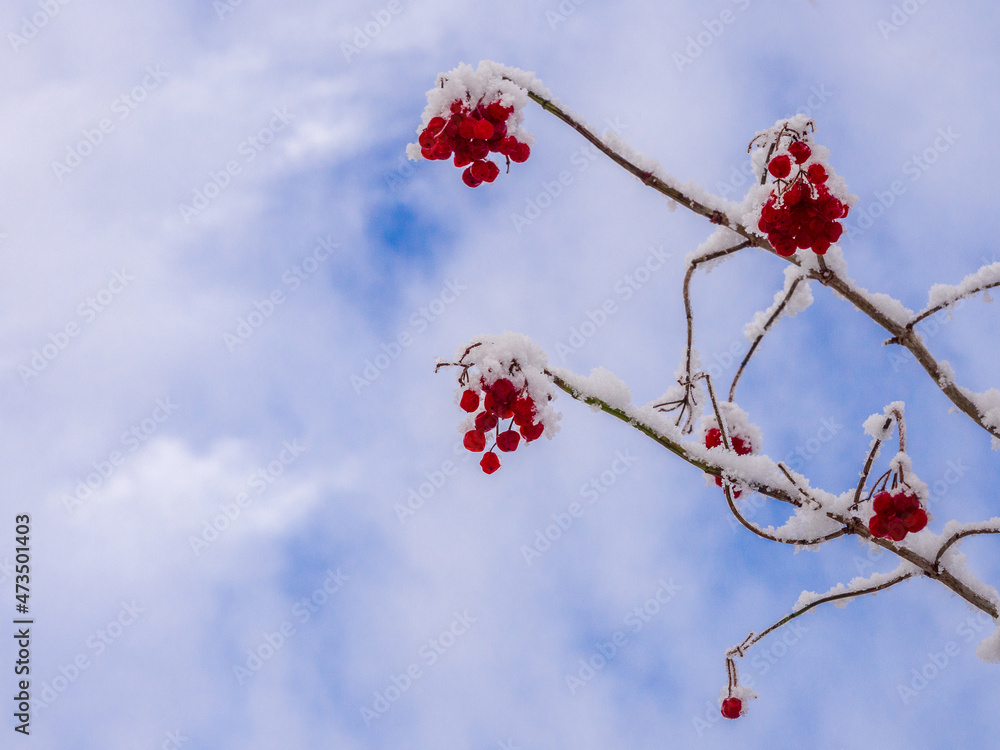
x,y
505,391
897,513
744,436
469,136
470,115
741,444
502,401
805,206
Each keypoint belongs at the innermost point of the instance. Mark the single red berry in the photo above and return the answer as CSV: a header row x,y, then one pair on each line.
x,y
915,520
732,708
490,462
486,421
469,179
817,174
713,438
457,106
467,128
470,400
897,530
531,431
497,112
474,441
426,139
520,153
483,129
507,441
800,151
462,159
780,166
741,446
905,503
878,527
883,504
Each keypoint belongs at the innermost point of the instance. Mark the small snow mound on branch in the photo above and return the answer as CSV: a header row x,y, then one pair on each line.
x,y
879,426
857,585
798,302
602,384
989,649
988,405
722,238
946,294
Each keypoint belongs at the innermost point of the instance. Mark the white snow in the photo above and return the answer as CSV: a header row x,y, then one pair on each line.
x,y
798,302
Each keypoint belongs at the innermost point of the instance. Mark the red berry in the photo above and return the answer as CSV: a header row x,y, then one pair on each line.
x,y
470,401
490,462
915,520
520,153
483,129
732,708
486,171
905,503
497,112
457,106
897,530
486,421
713,438
467,128
741,446
817,174
780,166
878,527
426,139
436,125
531,431
883,504
800,151
474,441
469,179
507,441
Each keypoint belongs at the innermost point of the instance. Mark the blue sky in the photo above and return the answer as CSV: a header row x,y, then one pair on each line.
x,y
179,174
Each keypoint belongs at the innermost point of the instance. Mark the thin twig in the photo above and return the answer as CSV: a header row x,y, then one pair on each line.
x,y
760,336
955,537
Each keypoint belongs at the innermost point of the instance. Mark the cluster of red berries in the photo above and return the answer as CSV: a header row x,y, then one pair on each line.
x,y
801,212
732,708
713,439
470,135
897,513
501,401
